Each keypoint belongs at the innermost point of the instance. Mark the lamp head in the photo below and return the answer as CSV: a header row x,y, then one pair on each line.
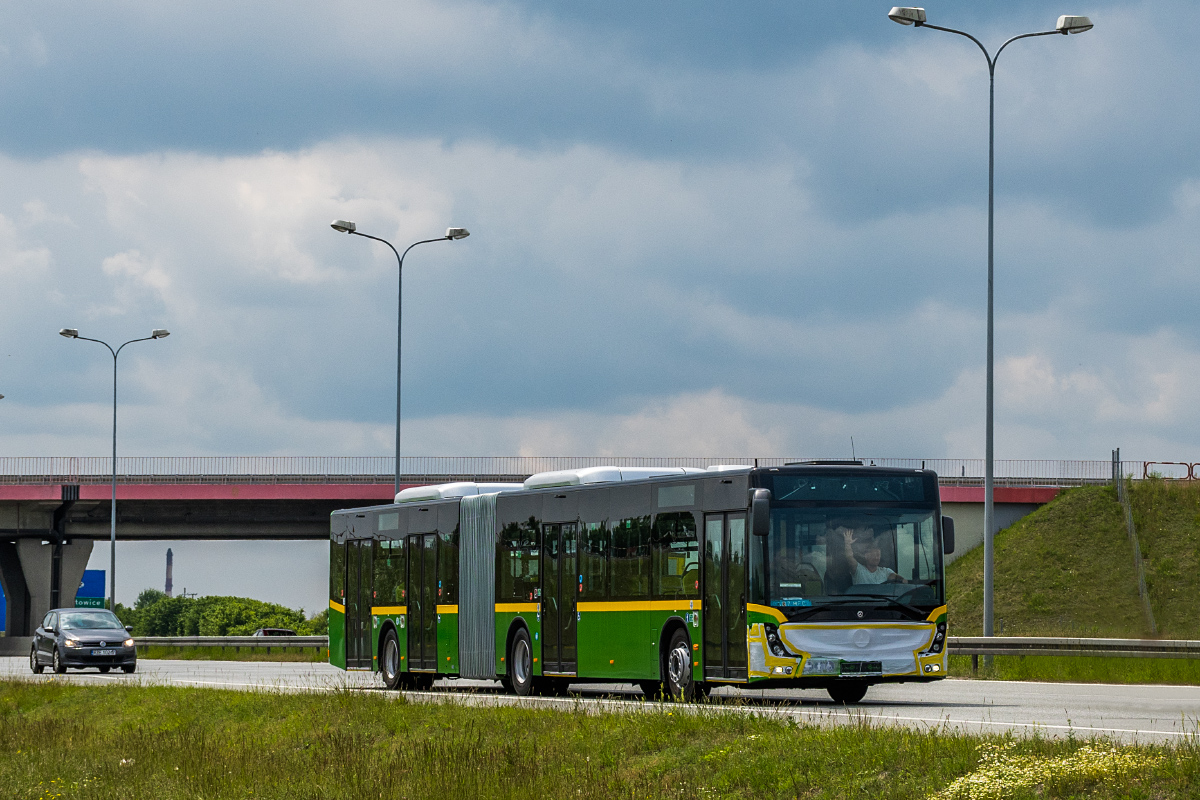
x,y
907,15
159,333
70,333
1068,24
343,226
457,233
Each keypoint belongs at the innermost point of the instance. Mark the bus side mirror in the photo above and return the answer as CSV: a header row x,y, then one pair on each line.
x,y
947,535
760,512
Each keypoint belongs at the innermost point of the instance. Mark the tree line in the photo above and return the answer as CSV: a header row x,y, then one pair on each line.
x,y
155,614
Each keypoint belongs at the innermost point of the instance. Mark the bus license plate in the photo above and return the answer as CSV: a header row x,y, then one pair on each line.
x,y
104,652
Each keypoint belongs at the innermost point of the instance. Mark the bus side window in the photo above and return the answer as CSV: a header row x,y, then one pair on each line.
x,y
676,556
337,571
447,591
593,561
630,562
389,572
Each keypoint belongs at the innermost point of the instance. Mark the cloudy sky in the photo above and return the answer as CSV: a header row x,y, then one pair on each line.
x,y
696,228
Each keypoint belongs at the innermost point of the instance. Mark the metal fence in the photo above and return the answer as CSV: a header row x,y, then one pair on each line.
x,y
1062,646
425,469
236,642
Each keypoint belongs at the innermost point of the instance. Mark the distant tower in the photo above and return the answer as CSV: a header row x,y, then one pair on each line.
x,y
170,563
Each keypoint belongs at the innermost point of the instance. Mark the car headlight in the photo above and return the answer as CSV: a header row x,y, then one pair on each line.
x,y
128,643
822,666
71,643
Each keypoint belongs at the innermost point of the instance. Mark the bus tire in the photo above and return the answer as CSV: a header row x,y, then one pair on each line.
x,y
389,660
677,668
847,692
520,663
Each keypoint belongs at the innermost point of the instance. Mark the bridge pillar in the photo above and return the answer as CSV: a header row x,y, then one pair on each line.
x,y
52,574
16,592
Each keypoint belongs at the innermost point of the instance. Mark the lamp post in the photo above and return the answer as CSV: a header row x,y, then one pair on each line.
x,y
1066,24
73,333
452,234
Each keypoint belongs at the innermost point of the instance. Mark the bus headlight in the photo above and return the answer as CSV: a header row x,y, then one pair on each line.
x,y
939,639
774,642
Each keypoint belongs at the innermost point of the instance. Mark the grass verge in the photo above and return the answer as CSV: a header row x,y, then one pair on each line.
x,y
302,654
61,741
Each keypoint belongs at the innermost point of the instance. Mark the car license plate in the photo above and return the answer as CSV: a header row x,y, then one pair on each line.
x,y
104,652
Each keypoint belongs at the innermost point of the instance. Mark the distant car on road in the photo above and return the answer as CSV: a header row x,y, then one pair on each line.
x,y
274,632
77,638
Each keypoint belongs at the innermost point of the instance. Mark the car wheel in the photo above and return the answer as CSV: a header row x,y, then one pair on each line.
x,y
678,678
520,664
847,692
58,666
33,661
128,668
389,663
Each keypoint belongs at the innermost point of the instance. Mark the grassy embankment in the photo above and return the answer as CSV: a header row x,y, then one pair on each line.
x,y
1067,570
60,741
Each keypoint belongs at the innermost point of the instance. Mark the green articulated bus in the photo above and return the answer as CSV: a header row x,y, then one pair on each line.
x,y
820,574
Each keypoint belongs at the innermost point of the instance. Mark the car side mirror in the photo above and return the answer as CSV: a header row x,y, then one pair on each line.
x,y
947,535
129,629
760,512
50,629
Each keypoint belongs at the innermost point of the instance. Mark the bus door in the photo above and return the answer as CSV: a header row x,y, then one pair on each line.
x,y
560,585
725,596
422,601
358,604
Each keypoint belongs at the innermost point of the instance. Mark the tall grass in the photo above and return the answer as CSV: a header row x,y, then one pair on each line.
x,y
163,742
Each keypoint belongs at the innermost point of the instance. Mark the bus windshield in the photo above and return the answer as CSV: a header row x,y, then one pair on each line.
x,y
836,555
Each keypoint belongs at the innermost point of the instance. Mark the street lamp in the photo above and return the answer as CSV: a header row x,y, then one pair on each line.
x,y
452,234
73,333
1065,25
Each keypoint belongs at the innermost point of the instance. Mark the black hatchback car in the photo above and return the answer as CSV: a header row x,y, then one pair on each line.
x,y
76,638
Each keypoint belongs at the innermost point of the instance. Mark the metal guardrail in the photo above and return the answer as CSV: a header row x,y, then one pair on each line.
x,y
41,470
235,642
1062,646
959,645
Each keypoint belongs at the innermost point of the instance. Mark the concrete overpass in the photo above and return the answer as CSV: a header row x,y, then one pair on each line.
x,y
52,510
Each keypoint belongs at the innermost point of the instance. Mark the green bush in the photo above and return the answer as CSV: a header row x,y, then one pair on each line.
x,y
155,614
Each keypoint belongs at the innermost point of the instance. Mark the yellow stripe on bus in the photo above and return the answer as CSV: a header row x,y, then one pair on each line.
x,y
771,612
447,609
937,612
641,605
338,607
516,608
388,611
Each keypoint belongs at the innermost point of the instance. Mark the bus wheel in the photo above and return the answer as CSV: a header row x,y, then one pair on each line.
x,y
520,664
389,663
678,678
847,692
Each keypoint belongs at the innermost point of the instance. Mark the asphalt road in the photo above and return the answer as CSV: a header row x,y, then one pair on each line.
x,y
1125,713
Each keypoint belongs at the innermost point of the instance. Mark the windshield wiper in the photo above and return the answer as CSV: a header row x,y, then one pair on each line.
x,y
866,599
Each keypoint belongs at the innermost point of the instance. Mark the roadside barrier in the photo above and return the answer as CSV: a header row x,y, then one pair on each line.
x,y
236,642
958,645
976,646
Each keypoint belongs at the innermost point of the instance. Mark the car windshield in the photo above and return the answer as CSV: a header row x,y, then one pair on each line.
x,y
93,620
832,555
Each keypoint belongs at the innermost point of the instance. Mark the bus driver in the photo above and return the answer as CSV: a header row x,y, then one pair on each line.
x,y
862,555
